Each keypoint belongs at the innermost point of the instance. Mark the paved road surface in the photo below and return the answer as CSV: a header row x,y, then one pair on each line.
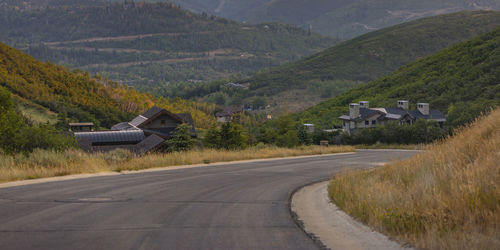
x,y
238,206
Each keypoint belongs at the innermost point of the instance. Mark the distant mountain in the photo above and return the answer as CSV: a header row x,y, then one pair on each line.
x,y
339,18
344,19
462,81
46,89
149,44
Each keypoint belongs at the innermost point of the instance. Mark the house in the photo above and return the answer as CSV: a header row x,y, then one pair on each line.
x,y
228,114
361,116
146,132
309,127
81,127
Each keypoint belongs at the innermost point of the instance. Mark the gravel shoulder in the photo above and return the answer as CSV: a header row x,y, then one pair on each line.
x,y
335,229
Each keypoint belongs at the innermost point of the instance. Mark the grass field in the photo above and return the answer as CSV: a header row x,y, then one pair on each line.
x,y
42,163
447,197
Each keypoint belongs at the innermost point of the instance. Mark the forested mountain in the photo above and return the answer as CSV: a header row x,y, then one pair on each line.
x,y
461,81
76,96
304,83
339,18
151,44
344,19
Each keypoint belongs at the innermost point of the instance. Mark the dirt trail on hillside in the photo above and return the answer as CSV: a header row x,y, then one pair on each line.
x,y
118,38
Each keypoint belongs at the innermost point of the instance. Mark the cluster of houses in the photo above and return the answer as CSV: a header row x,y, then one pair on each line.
x,y
149,130
361,116
146,132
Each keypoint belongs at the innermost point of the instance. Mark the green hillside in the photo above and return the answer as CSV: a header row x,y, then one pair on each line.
x,y
307,82
42,90
461,81
145,44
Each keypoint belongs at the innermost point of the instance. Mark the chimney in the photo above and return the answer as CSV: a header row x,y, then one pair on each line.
x,y
353,110
403,104
364,104
423,108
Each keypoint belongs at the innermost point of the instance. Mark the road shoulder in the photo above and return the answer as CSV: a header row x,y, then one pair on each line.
x,y
331,226
91,175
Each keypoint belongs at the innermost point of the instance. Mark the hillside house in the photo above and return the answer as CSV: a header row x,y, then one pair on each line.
x,y
361,116
146,132
228,114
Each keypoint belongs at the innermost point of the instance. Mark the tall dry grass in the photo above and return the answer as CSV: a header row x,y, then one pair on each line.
x,y
43,163
445,198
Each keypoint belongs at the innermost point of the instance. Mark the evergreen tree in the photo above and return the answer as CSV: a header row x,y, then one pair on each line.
x,y
304,137
181,141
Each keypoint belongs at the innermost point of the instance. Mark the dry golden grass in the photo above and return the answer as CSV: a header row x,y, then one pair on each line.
x,y
445,198
48,164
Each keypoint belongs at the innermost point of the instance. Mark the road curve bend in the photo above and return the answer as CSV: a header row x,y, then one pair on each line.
x,y
232,206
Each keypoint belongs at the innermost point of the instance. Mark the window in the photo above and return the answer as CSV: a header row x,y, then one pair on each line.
x,y
367,122
163,122
374,122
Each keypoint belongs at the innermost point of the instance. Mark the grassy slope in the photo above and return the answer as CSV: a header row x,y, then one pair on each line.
x,y
378,53
445,198
461,81
173,34
78,95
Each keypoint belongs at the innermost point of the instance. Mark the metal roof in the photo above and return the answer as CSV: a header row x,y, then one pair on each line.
x,y
123,126
152,112
81,124
433,115
126,136
138,120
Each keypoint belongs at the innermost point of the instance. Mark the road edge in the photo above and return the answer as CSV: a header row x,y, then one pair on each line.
x,y
168,168
312,230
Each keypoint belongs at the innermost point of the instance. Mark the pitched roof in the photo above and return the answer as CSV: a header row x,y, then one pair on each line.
x,y
433,115
123,126
228,111
150,114
148,144
363,114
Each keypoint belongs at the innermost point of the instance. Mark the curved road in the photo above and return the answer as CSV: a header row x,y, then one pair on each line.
x,y
234,206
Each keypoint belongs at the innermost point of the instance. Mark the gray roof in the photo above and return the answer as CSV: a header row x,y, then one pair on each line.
x,y
228,111
433,115
152,112
148,144
138,120
363,114
123,126
81,124
112,137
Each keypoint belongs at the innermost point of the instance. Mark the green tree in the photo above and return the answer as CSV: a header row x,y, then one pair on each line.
x,y
181,141
304,137
212,138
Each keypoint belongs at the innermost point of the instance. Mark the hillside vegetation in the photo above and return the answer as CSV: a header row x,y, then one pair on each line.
x,y
461,81
151,44
445,198
304,83
76,96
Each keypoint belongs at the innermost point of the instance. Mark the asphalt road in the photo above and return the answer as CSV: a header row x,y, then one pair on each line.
x,y
237,206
